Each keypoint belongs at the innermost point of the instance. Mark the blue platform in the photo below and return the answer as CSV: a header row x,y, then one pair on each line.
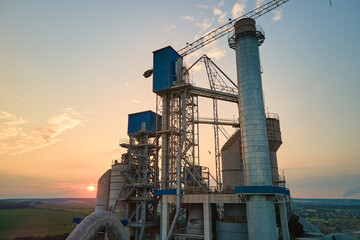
x,y
165,192
267,190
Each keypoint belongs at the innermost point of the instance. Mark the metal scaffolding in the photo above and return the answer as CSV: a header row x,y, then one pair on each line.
x,y
218,84
140,180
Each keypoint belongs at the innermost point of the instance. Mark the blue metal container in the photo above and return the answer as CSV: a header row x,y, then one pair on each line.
x,y
142,121
164,68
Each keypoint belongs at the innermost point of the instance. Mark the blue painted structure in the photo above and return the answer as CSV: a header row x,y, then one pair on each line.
x,y
165,192
164,68
77,220
124,222
135,121
261,190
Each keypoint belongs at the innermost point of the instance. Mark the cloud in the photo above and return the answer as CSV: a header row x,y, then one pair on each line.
x,y
238,9
351,192
169,27
188,18
135,101
217,11
277,15
16,139
10,125
203,6
216,53
258,3
206,24
221,3
197,68
222,18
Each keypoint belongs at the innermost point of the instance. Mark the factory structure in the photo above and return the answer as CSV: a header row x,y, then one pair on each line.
x,y
160,190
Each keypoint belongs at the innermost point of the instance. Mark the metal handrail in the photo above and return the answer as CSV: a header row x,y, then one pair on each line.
x,y
272,115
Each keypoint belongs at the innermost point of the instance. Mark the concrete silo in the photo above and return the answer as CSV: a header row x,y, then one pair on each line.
x,y
255,151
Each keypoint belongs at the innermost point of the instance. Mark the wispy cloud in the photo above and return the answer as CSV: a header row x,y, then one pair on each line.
x,y
169,27
238,8
277,15
217,53
10,125
203,6
197,68
258,3
222,18
221,3
217,11
188,18
16,139
204,25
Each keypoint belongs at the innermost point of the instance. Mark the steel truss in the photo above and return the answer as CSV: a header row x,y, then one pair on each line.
x,y
140,180
218,84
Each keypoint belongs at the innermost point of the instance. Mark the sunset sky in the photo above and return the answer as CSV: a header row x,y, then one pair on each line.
x,y
71,72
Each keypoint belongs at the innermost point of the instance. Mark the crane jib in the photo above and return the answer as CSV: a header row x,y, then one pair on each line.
x,y
228,27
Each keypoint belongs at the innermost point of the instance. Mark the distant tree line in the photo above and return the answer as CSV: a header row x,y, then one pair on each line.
x,y
17,205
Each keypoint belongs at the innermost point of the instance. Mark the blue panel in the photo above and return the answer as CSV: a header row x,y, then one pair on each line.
x,y
124,222
165,192
77,220
164,68
261,190
137,119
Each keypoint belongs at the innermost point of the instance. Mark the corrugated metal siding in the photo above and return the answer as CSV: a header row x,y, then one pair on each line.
x,y
164,68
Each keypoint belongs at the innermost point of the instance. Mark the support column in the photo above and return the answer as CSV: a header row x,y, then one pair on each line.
x,y
284,222
207,221
164,222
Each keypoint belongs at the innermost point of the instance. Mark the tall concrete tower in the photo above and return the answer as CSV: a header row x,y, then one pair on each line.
x,y
255,151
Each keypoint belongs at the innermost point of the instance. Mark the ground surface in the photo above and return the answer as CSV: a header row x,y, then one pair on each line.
x,y
43,220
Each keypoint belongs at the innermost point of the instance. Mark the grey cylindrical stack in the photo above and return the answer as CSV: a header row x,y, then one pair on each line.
x,y
260,212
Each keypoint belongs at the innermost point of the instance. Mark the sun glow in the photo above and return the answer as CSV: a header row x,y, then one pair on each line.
x,y
91,188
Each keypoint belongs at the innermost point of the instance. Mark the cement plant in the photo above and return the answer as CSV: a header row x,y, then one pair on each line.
x,y
160,190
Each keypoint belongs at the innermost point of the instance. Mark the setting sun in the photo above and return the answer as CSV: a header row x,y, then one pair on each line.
x,y
91,188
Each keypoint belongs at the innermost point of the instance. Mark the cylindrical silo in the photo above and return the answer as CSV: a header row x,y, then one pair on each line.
x,y
255,151
103,188
232,166
274,138
116,184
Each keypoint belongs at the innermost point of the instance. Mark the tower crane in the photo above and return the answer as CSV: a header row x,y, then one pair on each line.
x,y
224,29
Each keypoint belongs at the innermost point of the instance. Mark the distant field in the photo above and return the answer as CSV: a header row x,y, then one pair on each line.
x,y
39,222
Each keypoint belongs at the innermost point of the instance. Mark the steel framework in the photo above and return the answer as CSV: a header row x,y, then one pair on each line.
x,y
217,83
140,180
